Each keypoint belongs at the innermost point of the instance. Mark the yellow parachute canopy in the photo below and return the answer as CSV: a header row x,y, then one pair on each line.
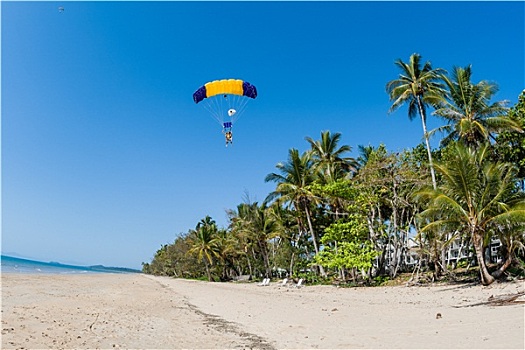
x,y
228,86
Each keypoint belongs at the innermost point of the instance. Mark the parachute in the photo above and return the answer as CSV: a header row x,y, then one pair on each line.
x,y
225,99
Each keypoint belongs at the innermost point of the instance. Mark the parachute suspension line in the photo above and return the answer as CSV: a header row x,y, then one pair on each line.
x,y
230,101
216,105
226,102
241,106
235,103
209,106
219,105
232,104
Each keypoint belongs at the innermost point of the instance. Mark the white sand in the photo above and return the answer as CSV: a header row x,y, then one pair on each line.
x,y
107,311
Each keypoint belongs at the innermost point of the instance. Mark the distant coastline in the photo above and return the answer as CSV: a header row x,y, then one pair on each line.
x,y
11,264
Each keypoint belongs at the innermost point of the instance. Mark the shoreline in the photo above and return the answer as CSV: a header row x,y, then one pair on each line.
x,y
109,311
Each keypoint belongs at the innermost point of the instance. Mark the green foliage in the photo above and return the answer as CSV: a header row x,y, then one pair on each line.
x,y
354,229
462,264
204,240
348,255
380,280
341,188
174,260
346,245
311,277
417,86
470,115
330,162
510,146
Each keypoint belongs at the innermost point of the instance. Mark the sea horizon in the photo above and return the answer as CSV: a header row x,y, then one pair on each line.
x,y
11,264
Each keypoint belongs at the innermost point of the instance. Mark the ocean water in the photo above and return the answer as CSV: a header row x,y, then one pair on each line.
x,y
17,265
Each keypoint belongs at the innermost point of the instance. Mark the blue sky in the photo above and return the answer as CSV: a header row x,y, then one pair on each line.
x,y
105,156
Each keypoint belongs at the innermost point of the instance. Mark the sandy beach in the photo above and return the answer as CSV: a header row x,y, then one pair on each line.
x,y
108,311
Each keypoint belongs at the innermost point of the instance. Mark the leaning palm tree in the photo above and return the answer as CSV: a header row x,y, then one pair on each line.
x,y
418,87
329,157
293,189
477,198
470,116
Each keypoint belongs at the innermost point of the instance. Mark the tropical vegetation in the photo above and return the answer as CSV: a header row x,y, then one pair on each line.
x,y
423,213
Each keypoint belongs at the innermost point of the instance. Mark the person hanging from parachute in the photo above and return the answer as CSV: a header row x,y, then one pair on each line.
x,y
227,131
225,100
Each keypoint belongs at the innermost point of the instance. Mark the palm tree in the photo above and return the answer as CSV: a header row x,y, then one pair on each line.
x,y
477,198
240,219
204,243
331,163
330,158
470,115
265,227
418,87
227,250
364,155
293,188
255,225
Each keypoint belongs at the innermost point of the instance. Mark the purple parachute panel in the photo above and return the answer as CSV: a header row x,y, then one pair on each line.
x,y
200,94
249,90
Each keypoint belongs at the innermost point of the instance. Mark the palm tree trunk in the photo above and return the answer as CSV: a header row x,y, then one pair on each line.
x,y
436,257
249,262
506,254
207,269
499,272
291,264
266,259
486,277
427,142
249,266
312,233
